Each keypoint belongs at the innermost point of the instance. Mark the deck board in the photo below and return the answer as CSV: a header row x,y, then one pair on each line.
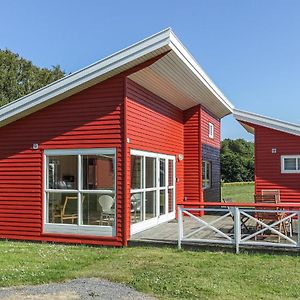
x,y
167,233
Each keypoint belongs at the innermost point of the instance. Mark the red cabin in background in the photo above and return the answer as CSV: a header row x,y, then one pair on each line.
x,y
277,154
108,151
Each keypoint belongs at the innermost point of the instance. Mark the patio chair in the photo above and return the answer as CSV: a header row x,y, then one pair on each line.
x,y
136,205
276,193
69,209
269,217
107,212
244,218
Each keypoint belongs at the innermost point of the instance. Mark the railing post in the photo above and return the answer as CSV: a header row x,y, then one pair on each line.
x,y
180,226
237,229
298,229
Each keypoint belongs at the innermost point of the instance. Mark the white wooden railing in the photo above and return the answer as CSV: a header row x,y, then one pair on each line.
x,y
239,224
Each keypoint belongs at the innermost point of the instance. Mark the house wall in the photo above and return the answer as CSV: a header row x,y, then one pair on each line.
x,y
199,146
268,165
93,118
116,113
211,152
192,155
153,124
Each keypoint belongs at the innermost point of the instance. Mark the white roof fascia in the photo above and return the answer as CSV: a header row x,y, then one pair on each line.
x,y
190,61
86,74
162,41
244,116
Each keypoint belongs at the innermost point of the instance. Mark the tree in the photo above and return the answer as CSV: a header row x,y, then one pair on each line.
x,y
19,77
237,160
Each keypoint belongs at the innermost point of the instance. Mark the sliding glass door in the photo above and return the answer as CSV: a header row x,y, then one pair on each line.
x,y
152,189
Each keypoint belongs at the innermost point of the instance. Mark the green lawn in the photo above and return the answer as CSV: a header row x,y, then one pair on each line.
x,y
239,192
164,272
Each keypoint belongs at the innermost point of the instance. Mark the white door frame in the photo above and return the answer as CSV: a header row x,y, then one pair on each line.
x,y
167,216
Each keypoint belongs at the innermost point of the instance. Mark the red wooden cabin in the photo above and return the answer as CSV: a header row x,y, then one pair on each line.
x,y
277,154
108,151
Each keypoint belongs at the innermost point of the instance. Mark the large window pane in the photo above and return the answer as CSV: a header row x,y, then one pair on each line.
x,y
150,203
98,172
162,172
162,202
170,200
171,172
136,207
107,209
62,172
136,172
150,172
62,208
97,209
290,164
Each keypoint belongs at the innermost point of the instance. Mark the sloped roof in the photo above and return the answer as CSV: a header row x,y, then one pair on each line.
x,y
247,118
176,77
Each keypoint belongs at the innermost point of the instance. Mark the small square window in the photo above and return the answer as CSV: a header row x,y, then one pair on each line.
x,y
211,130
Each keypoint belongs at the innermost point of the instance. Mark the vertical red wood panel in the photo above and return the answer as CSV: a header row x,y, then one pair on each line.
x,y
93,118
268,165
126,187
192,155
155,125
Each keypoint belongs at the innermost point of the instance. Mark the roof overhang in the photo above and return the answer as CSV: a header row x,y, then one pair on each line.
x,y
176,77
249,120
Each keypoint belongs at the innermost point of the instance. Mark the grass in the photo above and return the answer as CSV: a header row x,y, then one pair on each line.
x,y
163,272
238,192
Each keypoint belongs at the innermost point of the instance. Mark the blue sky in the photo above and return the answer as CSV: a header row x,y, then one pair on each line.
x,y
250,49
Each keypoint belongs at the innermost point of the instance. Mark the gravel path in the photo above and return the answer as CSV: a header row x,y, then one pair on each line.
x,y
83,289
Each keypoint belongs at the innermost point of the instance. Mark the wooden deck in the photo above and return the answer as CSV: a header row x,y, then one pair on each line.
x,y
167,234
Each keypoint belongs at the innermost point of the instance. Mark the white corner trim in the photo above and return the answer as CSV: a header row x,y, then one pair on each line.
x,y
244,116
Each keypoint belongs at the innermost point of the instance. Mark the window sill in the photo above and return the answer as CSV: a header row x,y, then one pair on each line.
x,y
83,230
206,188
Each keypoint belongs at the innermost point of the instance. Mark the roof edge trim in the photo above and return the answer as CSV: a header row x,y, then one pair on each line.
x,y
86,74
260,120
191,62
109,66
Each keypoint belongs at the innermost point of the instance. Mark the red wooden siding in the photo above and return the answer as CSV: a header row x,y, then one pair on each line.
x,y
153,125
192,155
116,113
92,118
206,118
211,152
268,165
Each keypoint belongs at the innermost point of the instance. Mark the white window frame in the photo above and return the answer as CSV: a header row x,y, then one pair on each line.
x,y
207,165
297,171
159,218
78,229
211,130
